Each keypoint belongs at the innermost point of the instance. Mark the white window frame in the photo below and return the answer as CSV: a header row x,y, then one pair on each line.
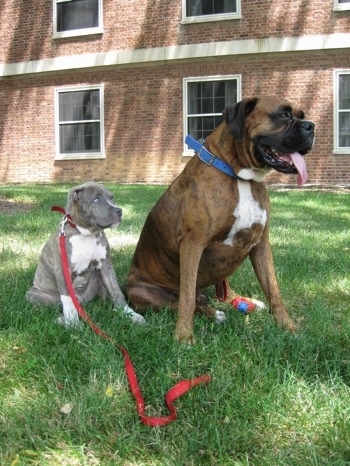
x,y
76,32
206,18
238,77
340,6
337,149
79,155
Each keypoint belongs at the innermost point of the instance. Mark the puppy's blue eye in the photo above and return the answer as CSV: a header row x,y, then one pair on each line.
x,y
97,199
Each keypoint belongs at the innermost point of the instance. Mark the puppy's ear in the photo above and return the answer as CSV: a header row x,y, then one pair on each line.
x,y
235,115
77,194
73,197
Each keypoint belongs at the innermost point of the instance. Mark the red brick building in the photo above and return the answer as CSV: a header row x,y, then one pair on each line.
x,y
107,89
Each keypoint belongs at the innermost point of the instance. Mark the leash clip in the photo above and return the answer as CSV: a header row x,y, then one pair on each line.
x,y
63,224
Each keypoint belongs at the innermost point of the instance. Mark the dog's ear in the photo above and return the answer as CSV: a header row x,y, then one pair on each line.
x,y
77,194
235,115
73,197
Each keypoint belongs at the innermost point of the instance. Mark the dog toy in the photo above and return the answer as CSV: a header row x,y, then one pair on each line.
x,y
243,305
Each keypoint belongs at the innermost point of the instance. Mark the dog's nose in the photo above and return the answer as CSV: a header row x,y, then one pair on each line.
x,y
119,212
308,126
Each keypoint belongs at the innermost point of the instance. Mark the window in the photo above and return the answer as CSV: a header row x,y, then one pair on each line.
x,y
77,17
342,112
340,5
210,10
204,101
79,123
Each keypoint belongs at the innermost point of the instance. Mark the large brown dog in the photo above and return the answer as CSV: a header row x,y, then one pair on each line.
x,y
208,221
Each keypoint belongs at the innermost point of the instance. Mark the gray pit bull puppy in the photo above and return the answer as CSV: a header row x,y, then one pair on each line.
x,y
91,210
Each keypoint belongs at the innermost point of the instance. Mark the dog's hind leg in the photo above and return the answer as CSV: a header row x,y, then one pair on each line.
x,y
145,296
35,296
217,316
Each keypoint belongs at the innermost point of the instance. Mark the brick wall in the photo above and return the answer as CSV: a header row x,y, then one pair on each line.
x,y
143,118
143,105
26,26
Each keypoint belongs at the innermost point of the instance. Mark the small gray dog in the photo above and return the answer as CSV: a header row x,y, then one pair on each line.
x,y
91,210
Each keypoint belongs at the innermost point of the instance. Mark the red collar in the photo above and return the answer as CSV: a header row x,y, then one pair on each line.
x,y
57,208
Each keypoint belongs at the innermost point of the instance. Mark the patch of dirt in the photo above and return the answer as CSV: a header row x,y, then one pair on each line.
x,y
10,207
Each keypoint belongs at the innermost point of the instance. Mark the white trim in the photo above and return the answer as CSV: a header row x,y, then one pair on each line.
x,y
178,52
76,32
341,6
83,155
238,77
207,18
336,149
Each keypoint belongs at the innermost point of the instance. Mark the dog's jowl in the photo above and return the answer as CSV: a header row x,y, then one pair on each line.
x,y
91,210
217,213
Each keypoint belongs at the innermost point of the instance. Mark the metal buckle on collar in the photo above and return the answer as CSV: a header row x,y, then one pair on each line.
x,y
210,161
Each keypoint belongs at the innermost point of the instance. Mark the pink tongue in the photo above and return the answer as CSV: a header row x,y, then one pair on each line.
x,y
299,163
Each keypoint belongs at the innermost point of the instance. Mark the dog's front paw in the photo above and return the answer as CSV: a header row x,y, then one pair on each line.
x,y
134,316
184,334
219,317
259,304
70,323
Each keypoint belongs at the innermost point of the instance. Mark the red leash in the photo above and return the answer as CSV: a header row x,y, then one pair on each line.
x,y
175,392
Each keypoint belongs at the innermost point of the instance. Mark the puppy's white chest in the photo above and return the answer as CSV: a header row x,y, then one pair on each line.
x,y
86,249
247,212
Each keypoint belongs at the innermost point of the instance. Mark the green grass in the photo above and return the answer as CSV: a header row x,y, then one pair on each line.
x,y
275,398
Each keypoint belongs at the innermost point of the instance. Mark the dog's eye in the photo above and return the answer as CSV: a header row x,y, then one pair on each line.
x,y
97,199
286,116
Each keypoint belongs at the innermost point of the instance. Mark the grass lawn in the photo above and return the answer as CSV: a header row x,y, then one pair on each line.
x,y
274,399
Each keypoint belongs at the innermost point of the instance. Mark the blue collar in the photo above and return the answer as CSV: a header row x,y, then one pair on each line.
x,y
208,158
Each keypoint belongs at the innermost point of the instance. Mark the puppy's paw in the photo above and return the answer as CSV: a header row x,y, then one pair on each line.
x,y
134,316
219,317
259,304
70,323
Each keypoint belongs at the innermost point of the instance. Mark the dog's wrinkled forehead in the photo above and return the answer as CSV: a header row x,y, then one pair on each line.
x,y
275,108
87,193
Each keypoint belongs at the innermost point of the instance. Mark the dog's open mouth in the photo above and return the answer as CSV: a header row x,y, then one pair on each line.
x,y
285,163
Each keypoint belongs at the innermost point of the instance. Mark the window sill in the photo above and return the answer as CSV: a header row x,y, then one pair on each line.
x,y
343,151
77,33
188,153
344,7
80,157
209,18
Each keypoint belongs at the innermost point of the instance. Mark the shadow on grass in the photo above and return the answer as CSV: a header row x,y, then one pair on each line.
x,y
275,398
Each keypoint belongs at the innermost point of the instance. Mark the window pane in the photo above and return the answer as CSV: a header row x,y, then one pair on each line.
x,y
210,7
205,104
344,91
79,105
344,129
206,101
80,137
77,14
211,96
230,93
201,127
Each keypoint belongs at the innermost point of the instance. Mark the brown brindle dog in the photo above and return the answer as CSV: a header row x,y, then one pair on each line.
x,y
207,222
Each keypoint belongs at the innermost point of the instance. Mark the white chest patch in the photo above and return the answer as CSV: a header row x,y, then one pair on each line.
x,y
84,250
247,212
